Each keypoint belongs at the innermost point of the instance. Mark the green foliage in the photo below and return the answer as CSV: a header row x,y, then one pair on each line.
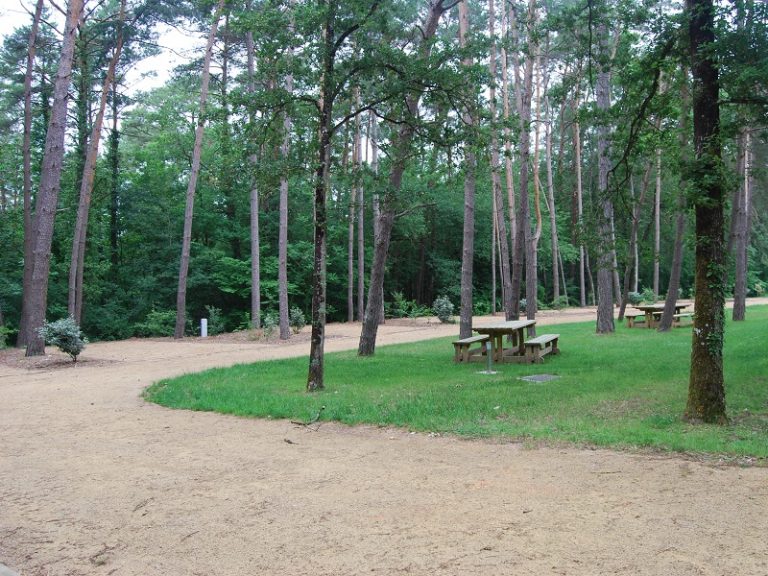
x,y
65,334
443,309
296,319
401,307
268,324
604,396
215,320
649,296
157,323
635,298
5,333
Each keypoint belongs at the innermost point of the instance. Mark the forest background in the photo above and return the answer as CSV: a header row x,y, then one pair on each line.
x,y
557,135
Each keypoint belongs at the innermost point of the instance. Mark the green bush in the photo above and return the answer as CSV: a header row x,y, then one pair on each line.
x,y
5,332
649,296
296,319
215,320
635,298
64,334
443,309
560,302
402,308
157,323
268,324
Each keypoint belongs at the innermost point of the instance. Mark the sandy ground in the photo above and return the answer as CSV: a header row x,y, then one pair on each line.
x,y
93,480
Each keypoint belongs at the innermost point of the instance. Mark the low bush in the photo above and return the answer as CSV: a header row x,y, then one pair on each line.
x,y
64,334
157,323
443,309
296,319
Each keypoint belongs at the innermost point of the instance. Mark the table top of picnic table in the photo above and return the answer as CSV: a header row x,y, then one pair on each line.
x,y
658,307
505,326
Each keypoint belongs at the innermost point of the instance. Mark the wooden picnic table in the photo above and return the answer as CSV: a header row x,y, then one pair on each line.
x,y
653,312
497,332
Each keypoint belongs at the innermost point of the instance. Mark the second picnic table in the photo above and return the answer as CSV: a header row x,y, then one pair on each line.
x,y
497,332
653,312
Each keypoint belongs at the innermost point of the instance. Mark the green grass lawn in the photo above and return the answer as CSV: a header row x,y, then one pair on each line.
x,y
626,390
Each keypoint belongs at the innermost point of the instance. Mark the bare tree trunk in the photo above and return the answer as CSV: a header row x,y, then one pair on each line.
x,y
360,230
551,197
657,225
24,335
632,251
376,202
77,261
508,168
605,267
506,278
706,388
532,243
742,209
580,208
468,238
255,241
36,297
524,95
181,294
494,242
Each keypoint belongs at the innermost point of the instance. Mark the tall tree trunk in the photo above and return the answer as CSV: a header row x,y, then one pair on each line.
x,y
77,261
255,240
508,168
506,277
632,250
114,193
29,235
551,197
353,210
706,389
524,94
360,230
657,226
181,294
742,209
605,246
677,256
36,297
316,372
375,202
532,243
579,207
468,237
401,147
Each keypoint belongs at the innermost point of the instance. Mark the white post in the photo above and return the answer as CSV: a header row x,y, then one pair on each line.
x,y
203,327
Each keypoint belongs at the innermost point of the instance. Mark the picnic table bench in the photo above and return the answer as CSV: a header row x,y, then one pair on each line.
x,y
463,350
634,318
677,319
537,348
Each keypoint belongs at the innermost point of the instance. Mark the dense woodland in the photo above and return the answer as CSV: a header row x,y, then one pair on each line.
x,y
356,160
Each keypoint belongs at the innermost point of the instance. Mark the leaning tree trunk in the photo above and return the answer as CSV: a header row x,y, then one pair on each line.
x,y
36,298
77,261
632,250
677,256
706,389
401,148
29,235
468,239
181,294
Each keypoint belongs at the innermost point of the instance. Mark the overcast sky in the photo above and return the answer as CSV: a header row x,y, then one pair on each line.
x,y
181,47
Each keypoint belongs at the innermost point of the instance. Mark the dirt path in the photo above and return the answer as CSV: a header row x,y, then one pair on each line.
x,y
95,481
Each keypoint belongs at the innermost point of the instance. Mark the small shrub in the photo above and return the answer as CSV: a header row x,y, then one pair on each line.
x,y
649,296
66,335
5,332
443,309
215,320
296,319
157,323
402,308
560,302
268,324
635,298
481,308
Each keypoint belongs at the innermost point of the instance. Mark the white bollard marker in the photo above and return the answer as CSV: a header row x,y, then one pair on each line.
x,y
203,327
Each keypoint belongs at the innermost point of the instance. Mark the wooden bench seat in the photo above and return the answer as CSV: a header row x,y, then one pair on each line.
x,y
462,348
677,319
537,348
634,318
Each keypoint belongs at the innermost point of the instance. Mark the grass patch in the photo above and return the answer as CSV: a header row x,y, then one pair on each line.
x,y
625,390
